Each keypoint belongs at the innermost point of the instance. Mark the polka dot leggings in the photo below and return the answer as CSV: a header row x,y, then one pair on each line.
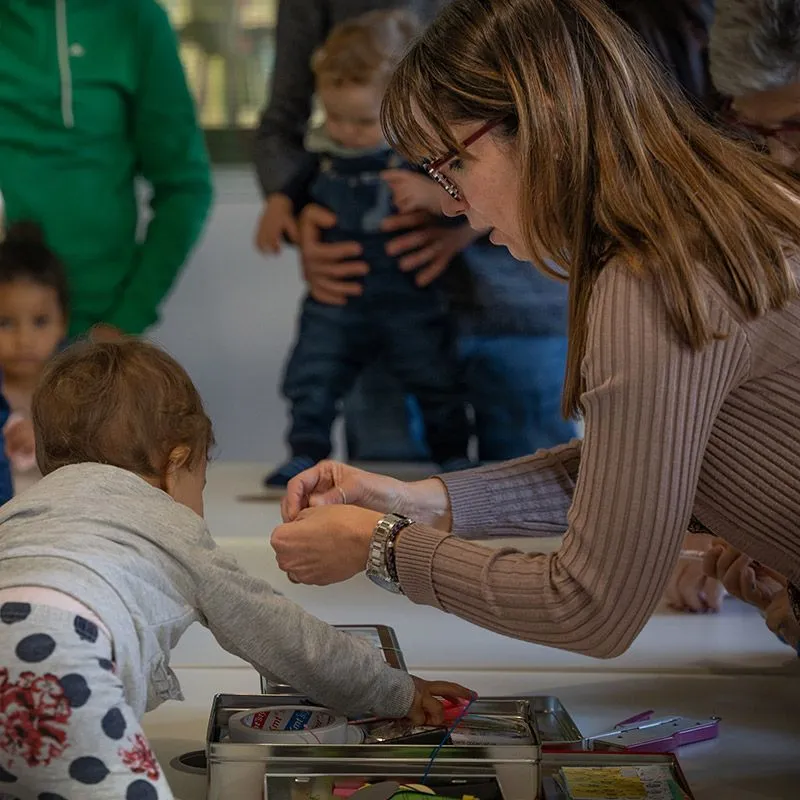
x,y
66,732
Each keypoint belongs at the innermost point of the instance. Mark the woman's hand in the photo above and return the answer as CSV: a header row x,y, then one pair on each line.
x,y
689,588
325,545
781,620
743,577
427,708
333,483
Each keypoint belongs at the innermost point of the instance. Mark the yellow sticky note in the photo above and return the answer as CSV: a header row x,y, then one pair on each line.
x,y
603,783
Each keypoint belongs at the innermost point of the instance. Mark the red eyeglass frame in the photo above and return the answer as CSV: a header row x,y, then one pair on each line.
x,y
433,167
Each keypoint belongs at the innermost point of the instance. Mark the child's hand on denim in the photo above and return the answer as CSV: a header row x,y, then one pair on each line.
x,y
427,708
413,192
276,222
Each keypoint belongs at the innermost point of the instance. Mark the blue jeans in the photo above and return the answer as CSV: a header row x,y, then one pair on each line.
x,y
410,333
514,385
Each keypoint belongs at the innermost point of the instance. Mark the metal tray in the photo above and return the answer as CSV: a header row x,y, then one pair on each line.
x,y
556,728
552,762
381,636
238,770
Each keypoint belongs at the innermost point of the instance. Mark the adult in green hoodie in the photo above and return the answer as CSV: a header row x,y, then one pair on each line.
x,y
92,97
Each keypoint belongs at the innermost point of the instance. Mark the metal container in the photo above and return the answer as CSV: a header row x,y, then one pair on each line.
x,y
557,730
552,762
281,772
379,636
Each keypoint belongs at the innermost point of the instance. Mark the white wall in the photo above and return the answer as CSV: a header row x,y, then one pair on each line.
x,y
230,322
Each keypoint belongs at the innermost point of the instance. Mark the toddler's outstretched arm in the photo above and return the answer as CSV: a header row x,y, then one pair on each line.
x,y
281,639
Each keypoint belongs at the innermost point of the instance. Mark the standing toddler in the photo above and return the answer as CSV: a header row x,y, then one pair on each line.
x,y
405,326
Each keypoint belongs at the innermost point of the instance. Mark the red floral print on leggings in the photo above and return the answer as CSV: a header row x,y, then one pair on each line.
x,y
140,758
34,715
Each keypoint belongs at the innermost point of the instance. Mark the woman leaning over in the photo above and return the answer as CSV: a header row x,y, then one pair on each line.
x,y
547,122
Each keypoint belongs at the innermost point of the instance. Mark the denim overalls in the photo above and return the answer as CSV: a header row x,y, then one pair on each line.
x,y
405,327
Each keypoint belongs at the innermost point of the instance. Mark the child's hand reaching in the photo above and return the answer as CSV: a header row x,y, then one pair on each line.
x,y
413,192
276,222
427,708
20,442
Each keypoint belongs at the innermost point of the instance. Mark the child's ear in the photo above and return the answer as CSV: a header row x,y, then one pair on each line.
x,y
178,458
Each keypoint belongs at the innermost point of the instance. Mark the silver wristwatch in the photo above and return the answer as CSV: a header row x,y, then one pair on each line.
x,y
380,562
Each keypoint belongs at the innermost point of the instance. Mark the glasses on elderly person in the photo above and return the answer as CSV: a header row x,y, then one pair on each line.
x,y
433,168
728,114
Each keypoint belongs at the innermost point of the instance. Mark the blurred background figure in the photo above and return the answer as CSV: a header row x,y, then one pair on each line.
x,y
755,63
92,98
676,33
34,315
511,320
394,321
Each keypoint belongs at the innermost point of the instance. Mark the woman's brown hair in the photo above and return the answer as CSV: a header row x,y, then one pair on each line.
x,y
613,162
127,404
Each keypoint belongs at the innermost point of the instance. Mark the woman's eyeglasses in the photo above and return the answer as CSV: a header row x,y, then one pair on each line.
x,y
433,168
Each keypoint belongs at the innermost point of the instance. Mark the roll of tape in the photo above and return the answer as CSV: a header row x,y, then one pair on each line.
x,y
288,725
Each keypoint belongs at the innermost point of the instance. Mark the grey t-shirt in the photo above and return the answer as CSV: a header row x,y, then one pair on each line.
x,y
148,567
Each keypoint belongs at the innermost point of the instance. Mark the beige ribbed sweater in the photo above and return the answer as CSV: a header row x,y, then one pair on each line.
x,y
669,433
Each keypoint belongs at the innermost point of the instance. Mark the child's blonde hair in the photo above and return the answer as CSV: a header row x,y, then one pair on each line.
x,y
127,404
365,50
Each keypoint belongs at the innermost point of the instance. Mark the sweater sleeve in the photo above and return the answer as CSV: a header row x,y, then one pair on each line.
x,y
528,496
171,154
649,406
249,619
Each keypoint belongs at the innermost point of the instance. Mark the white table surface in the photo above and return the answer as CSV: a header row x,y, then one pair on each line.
x,y
726,664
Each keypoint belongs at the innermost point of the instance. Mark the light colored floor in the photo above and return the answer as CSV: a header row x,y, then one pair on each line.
x,y
727,664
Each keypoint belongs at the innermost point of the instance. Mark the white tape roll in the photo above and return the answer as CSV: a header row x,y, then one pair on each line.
x,y
287,725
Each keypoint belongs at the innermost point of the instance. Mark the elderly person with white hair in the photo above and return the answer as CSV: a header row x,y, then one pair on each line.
x,y
755,61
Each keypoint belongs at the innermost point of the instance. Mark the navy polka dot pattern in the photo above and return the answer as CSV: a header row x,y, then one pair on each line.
x,y
14,612
60,672
113,724
85,629
141,790
88,769
35,648
76,689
